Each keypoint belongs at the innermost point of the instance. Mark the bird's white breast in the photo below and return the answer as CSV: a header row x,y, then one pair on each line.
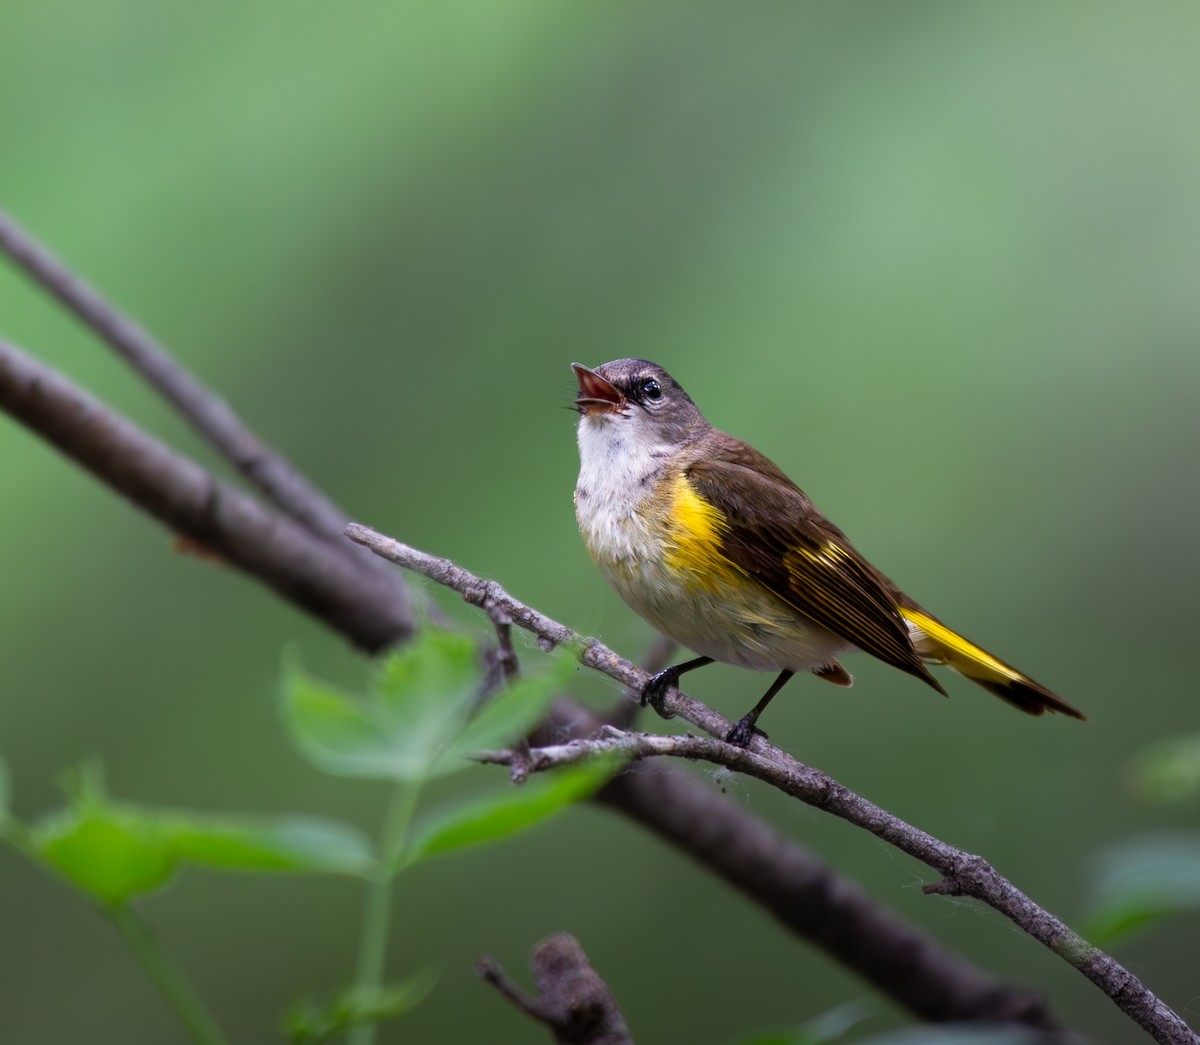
x,y
617,473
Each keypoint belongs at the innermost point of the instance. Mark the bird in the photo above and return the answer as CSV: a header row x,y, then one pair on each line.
x,y
714,546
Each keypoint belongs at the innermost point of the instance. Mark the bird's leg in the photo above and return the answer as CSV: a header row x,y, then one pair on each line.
x,y
745,728
654,692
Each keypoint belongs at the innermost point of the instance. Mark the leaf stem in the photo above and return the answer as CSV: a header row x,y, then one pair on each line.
x,y
168,978
372,944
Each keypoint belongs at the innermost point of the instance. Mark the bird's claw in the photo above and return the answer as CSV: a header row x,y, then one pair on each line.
x,y
655,691
744,731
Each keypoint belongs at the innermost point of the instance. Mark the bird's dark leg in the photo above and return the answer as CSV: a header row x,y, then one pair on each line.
x,y
656,689
743,732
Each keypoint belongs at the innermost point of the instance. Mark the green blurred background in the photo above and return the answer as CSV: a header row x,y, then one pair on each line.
x,y
938,260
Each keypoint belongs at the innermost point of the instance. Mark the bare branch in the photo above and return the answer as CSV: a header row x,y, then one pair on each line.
x,y
820,904
491,971
307,570
502,667
210,415
801,891
500,661
963,874
505,656
573,1001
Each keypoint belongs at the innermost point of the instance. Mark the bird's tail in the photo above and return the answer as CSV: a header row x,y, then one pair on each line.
x,y
934,641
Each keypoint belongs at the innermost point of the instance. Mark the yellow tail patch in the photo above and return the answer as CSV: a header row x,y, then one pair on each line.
x,y
951,648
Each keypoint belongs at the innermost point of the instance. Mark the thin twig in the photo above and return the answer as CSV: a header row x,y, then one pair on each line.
x,y
502,667
307,570
573,1001
208,413
963,874
491,971
505,655
175,988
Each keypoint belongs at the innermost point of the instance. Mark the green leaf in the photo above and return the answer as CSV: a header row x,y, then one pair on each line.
x,y
335,731
311,1024
431,685
500,815
515,710
1141,881
1169,770
109,853
115,851
5,790
294,843
416,704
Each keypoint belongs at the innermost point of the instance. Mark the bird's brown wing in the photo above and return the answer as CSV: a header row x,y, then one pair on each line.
x,y
772,531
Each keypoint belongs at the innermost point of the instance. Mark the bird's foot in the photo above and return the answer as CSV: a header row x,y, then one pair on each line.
x,y
744,731
655,691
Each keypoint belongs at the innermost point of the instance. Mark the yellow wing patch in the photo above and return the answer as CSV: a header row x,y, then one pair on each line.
x,y
693,544
829,554
951,648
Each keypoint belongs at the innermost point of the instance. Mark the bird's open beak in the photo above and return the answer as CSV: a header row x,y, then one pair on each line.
x,y
596,396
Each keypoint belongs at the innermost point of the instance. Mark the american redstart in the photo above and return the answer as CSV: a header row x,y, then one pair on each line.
x,y
719,550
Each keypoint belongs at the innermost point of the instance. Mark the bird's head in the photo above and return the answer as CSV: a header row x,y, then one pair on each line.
x,y
638,398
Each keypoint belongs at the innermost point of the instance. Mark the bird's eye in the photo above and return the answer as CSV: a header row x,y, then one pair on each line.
x,y
651,389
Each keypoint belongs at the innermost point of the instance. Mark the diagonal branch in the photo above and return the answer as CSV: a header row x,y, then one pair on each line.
x,y
963,874
305,569
805,894
210,415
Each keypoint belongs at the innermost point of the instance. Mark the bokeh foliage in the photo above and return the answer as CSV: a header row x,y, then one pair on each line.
x,y
936,259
